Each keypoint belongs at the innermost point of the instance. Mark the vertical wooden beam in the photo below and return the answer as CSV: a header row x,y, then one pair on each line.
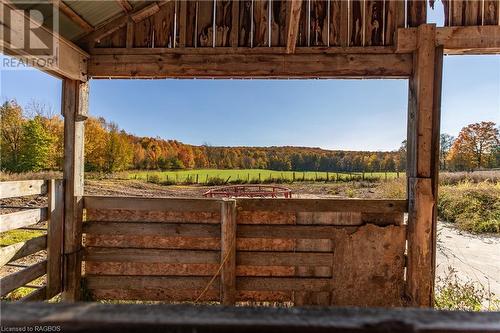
x,y
422,171
228,252
75,109
235,23
292,26
130,34
55,237
417,12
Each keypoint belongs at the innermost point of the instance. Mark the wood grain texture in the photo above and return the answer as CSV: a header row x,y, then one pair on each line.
x,y
22,249
261,23
491,12
205,19
335,23
278,22
19,188
356,23
152,204
374,23
22,218
319,23
154,294
131,215
223,21
151,256
228,257
55,238
13,281
156,242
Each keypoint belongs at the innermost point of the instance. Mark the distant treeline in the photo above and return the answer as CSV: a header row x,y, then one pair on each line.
x,y
33,141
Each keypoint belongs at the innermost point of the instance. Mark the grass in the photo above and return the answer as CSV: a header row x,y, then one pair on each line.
x,y
16,236
474,207
239,176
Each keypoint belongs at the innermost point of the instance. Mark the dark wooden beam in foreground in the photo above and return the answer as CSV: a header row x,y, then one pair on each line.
x,y
89,317
157,64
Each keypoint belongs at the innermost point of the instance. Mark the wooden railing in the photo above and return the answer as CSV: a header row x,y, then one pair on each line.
x,y
50,241
303,251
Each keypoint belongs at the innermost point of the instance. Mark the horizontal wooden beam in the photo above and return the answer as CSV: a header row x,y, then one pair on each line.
x,y
155,204
22,249
455,40
145,12
65,60
38,294
73,16
22,218
19,188
159,65
186,318
125,5
19,279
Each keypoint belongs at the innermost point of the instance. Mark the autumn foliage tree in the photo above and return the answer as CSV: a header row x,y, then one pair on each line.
x,y
475,146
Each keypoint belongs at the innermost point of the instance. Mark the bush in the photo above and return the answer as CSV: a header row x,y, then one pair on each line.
x,y
473,207
454,294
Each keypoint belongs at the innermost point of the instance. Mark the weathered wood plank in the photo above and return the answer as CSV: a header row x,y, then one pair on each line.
x,y
282,284
164,35
245,23
22,218
228,252
155,242
20,278
150,256
369,261
284,245
323,205
148,268
72,15
223,23
283,259
417,12
19,188
148,282
188,318
278,22
152,229
74,109
131,215
55,239
374,23
22,249
205,30
491,12
319,23
261,23
356,23
289,232
162,65
335,15
284,271
293,15
154,294
153,204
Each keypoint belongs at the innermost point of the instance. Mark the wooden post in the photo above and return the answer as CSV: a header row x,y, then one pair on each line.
x,y
228,252
423,148
74,109
55,237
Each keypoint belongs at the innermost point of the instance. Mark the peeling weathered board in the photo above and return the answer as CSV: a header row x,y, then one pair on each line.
x,y
245,23
283,259
416,12
205,20
167,282
21,188
144,33
278,22
155,242
335,22
374,23
447,11
394,18
154,294
303,21
329,218
356,19
152,229
190,25
265,217
370,262
261,23
223,21
264,296
473,12
491,9
103,254
125,215
319,23
283,245
154,269
283,271
164,25
283,284
457,12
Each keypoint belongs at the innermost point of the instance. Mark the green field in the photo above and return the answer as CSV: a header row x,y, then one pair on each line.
x,y
204,176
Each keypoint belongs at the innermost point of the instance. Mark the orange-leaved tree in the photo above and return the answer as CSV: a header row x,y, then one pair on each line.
x,y
474,146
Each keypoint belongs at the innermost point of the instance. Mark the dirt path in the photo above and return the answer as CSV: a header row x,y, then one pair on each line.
x,y
474,257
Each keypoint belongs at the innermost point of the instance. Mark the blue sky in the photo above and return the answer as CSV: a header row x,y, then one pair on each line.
x,y
331,114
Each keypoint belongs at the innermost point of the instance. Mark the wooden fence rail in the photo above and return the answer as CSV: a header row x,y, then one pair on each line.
x,y
50,267
307,252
